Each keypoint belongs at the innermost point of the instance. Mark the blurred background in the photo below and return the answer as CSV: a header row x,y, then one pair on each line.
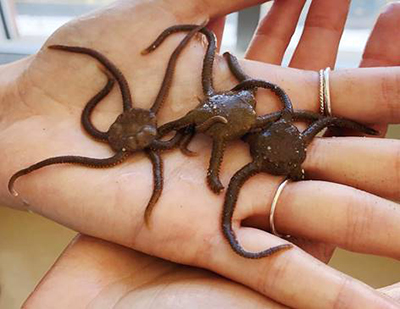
x,y
29,244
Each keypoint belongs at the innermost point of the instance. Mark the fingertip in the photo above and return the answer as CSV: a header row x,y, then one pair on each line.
x,y
383,45
391,8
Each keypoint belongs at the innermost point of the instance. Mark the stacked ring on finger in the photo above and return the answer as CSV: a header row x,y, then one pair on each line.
x,y
324,93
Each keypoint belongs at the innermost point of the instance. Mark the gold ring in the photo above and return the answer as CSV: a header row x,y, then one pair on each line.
x,y
321,93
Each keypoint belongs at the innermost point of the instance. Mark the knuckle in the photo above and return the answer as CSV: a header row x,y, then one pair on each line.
x,y
389,90
272,33
357,222
322,22
342,299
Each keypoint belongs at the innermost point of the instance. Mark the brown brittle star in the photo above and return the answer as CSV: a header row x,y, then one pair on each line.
x,y
224,116
278,149
133,130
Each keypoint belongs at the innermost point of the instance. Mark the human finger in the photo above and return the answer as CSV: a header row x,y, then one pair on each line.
x,y
383,46
217,25
194,9
378,84
321,35
368,164
289,283
332,213
374,92
274,32
100,274
393,291
183,239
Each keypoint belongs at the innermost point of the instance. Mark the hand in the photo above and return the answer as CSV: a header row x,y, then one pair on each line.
x,y
99,274
382,49
51,89
318,49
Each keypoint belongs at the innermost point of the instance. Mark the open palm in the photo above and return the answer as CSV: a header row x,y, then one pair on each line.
x,y
52,87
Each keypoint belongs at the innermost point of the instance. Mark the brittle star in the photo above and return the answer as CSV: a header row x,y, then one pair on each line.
x,y
278,149
224,116
133,130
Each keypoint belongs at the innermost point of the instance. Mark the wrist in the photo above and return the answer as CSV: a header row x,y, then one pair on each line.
x,y
11,88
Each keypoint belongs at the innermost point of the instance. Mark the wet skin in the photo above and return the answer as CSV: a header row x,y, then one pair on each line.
x,y
135,129
224,116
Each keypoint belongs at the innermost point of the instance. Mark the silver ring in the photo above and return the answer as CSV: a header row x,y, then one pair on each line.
x,y
324,93
273,207
327,93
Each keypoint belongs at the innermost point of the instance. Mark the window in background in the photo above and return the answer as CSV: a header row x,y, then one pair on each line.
x,y
25,24
41,18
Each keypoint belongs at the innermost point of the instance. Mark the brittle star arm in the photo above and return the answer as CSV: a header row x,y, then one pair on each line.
x,y
118,158
185,141
203,127
157,164
208,62
265,120
167,144
320,124
115,72
235,67
87,112
217,154
182,138
257,83
176,125
231,198
167,81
